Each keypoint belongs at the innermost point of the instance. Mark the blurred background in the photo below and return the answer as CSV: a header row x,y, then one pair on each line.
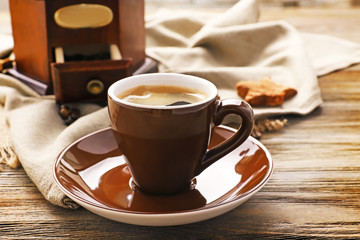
x,y
264,3
339,18
227,3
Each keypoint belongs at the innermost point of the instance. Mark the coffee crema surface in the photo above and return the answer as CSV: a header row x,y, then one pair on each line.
x,y
161,95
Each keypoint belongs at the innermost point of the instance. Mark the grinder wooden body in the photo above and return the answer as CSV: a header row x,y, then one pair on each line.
x,y
39,39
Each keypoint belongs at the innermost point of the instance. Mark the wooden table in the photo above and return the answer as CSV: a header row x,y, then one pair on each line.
x,y
314,191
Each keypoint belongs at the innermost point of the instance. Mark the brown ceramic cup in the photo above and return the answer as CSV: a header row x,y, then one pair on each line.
x,y
166,146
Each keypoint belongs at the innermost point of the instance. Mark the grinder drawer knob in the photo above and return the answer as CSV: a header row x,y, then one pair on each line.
x,y
95,87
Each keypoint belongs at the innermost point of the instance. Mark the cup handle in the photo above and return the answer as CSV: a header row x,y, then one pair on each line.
x,y
226,107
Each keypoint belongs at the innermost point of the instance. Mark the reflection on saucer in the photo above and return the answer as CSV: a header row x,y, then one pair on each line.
x,y
92,171
115,190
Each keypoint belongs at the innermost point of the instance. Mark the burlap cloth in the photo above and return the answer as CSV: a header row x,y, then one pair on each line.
x,y
224,50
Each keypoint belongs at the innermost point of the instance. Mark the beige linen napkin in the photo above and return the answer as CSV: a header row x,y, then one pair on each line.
x,y
38,134
328,53
225,49
234,47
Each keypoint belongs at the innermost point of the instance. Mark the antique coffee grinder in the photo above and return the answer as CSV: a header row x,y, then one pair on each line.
x,y
77,48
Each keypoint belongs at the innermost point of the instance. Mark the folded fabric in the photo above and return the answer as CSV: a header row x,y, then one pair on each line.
x,y
224,50
38,134
235,47
328,53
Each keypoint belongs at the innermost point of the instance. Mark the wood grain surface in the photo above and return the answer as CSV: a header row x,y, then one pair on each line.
x,y
314,191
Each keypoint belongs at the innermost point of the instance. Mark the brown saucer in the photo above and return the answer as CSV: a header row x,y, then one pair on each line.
x,y
92,172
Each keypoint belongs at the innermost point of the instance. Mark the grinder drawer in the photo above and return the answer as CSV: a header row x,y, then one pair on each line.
x,y
86,80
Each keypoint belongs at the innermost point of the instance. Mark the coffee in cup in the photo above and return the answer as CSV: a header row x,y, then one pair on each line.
x,y
165,144
162,95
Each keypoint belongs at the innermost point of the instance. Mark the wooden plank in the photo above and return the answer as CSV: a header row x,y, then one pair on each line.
x,y
338,22
313,193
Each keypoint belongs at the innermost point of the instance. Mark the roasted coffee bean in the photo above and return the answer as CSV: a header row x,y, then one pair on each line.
x,y
69,115
64,111
74,113
68,121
